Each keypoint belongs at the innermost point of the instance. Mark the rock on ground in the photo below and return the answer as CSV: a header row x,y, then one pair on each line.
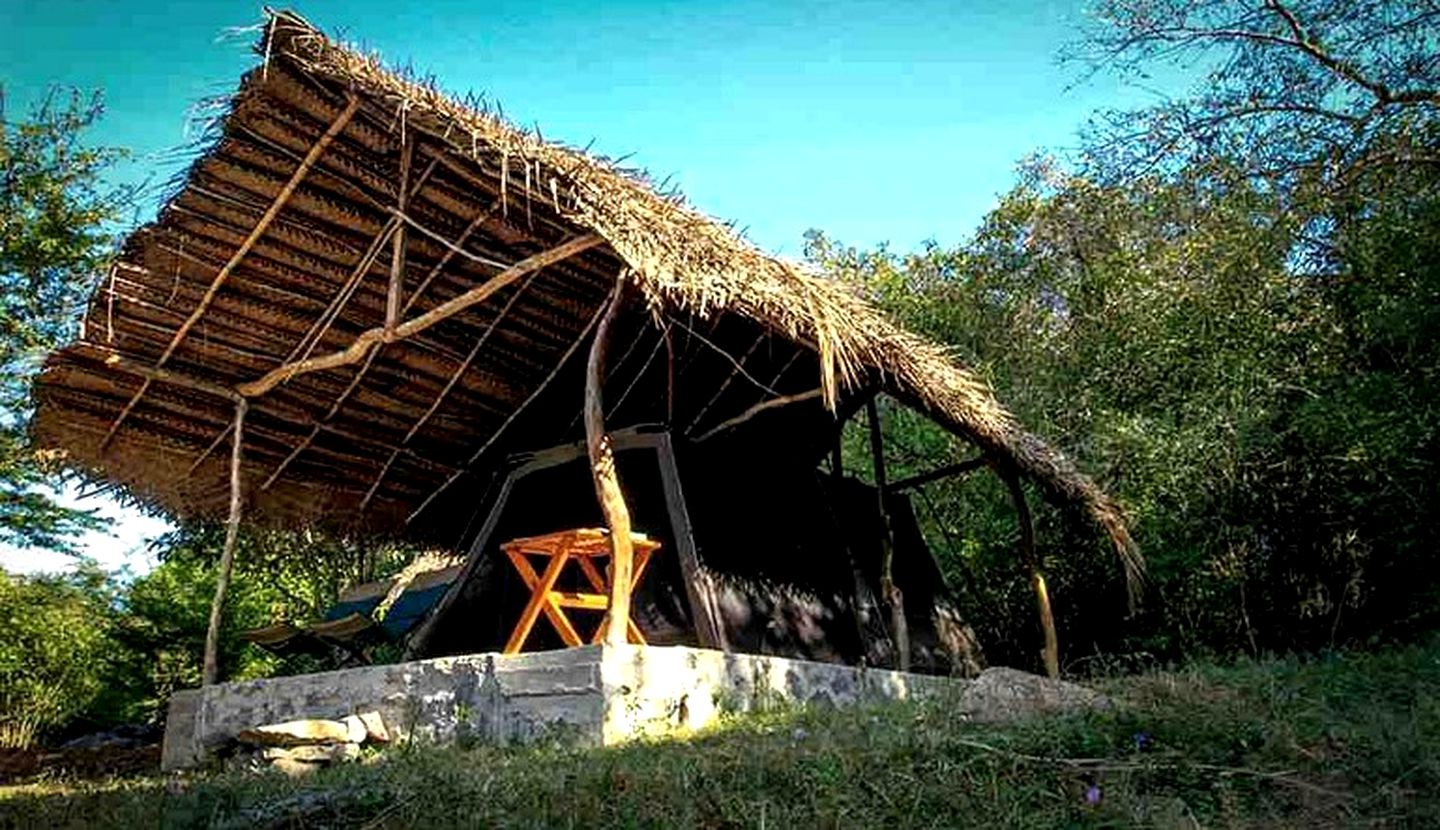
x,y
1000,694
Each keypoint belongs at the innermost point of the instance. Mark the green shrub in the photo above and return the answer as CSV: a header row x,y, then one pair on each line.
x,y
55,647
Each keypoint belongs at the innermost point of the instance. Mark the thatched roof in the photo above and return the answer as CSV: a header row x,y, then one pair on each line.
x,y
377,439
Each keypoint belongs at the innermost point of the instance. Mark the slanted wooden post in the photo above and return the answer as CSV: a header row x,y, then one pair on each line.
x,y
699,588
607,481
227,555
900,630
862,602
1051,652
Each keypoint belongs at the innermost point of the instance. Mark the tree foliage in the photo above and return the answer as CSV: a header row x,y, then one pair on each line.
x,y
89,649
53,657
1227,312
56,222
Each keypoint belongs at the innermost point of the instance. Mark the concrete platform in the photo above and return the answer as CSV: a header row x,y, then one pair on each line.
x,y
593,695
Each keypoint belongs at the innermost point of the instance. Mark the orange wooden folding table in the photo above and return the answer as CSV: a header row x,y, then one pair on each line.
x,y
582,546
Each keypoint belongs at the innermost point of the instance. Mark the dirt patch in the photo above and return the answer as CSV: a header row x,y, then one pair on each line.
x,y
17,765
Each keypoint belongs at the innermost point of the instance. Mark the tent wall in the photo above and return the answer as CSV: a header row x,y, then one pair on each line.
x,y
782,545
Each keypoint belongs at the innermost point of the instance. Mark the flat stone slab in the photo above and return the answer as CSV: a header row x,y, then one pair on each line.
x,y
313,753
299,733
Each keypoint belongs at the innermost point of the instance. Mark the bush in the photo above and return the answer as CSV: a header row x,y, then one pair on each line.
x,y
54,651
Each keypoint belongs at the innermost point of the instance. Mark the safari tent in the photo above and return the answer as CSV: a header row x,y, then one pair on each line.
x,y
369,305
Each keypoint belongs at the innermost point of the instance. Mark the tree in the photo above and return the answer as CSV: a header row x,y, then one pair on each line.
x,y
1224,308
1303,94
56,234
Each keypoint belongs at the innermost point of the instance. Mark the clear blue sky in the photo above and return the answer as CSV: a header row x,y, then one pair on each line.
x,y
896,121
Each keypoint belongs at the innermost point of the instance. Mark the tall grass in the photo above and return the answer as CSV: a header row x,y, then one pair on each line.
x,y
1345,740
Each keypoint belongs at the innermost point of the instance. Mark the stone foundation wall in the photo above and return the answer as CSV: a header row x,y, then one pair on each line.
x,y
649,691
590,696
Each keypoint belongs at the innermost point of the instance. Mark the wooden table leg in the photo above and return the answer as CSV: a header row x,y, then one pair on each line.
x,y
539,599
552,609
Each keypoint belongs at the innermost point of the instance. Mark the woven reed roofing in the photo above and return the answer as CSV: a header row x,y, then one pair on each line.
x,y
316,140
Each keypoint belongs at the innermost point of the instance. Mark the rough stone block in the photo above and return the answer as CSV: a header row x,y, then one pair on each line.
x,y
375,731
293,768
181,747
1000,694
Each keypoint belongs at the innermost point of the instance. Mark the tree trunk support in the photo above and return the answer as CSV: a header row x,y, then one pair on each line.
x,y
1028,555
607,481
893,597
227,556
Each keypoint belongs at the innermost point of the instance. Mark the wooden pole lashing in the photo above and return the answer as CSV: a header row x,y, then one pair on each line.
x,y
227,555
1051,652
893,597
607,480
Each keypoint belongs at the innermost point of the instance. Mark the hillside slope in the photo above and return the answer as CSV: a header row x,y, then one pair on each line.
x,y
1350,739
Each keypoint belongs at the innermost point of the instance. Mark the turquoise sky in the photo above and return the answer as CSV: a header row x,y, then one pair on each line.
x,y
874,121
893,122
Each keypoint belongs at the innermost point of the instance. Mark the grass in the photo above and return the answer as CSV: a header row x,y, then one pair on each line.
x,y
1345,740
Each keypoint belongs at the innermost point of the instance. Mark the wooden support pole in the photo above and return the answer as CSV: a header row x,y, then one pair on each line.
x,y
227,554
150,374
900,630
699,588
1051,652
357,350
935,475
862,602
607,480
397,252
765,405
500,430
249,242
